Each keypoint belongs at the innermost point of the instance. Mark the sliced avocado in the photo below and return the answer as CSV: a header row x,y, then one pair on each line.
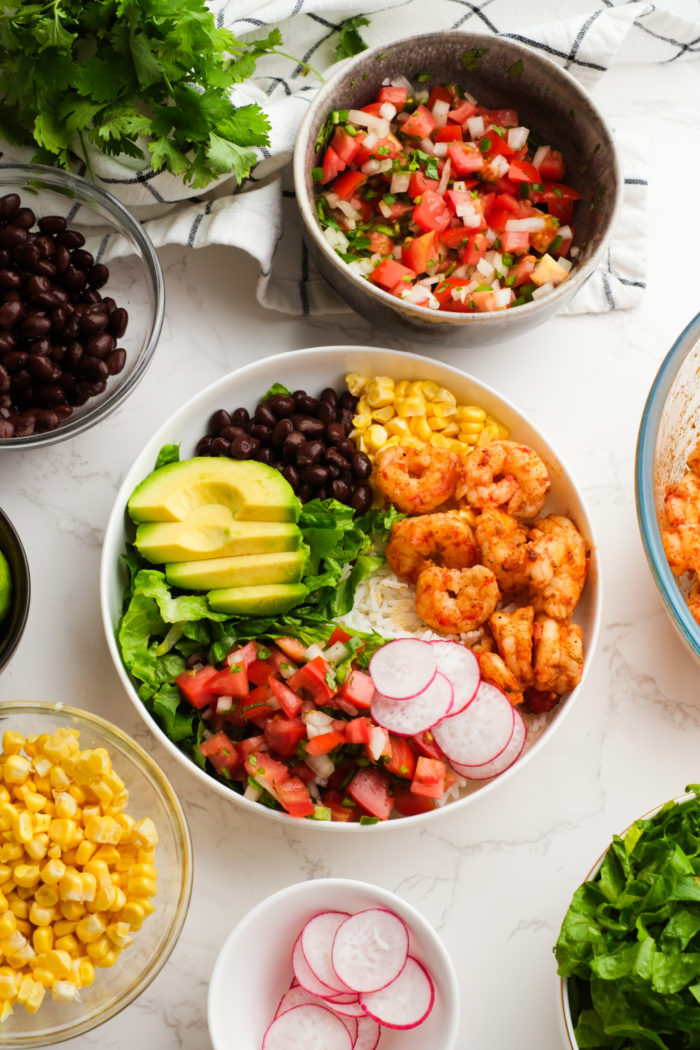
x,y
252,491
257,601
5,586
211,531
250,570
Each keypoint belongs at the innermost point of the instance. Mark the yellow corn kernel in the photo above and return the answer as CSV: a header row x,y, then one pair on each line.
x,y
12,742
70,887
18,907
142,887
22,827
104,830
16,769
132,913
119,899
398,426
84,971
109,958
9,982
379,392
41,915
421,428
53,871
66,805
33,800
127,825
59,963
65,833
61,745
5,1010
5,873
25,989
109,854
60,781
43,976
439,440
72,909
8,924
376,436
400,388
42,766
38,847
43,939
145,856
67,944
63,926
8,815
446,396
451,430
430,389
471,414
410,406
362,421
383,415
35,998
102,792
97,948
46,896
25,927
119,934
107,899
26,874
355,383
64,991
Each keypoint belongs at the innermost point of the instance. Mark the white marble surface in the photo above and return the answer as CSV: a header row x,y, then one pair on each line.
x,y
496,878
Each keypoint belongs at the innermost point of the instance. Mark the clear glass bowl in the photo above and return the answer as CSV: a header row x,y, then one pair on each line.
x,y
135,282
669,429
12,625
150,795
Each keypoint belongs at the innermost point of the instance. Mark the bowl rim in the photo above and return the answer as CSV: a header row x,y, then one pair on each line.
x,y
567,1024
644,485
84,189
115,524
18,621
112,732
580,273
384,898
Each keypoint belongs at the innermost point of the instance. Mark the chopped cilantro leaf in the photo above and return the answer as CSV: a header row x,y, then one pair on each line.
x,y
350,41
516,70
470,57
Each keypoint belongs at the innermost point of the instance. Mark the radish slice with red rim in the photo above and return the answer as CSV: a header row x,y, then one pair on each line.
x,y
317,943
461,666
480,732
305,975
296,996
504,761
370,949
415,715
309,1026
406,1002
368,1033
403,668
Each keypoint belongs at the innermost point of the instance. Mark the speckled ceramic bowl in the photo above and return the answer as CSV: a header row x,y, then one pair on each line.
x,y
669,430
13,622
504,74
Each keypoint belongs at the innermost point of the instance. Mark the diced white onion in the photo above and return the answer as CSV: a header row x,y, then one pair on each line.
x,y
348,211
565,263
429,282
462,293
312,651
421,95
336,239
378,125
402,117
445,177
322,765
428,146
460,271
470,98
376,743
385,209
531,225
224,704
402,82
485,268
332,198
400,181
491,235
574,252
397,251
459,185
317,722
336,652
565,232
370,141
544,289
440,149
499,165
362,267
496,260
252,793
387,110
502,297
475,126
440,111
370,167
540,154
517,137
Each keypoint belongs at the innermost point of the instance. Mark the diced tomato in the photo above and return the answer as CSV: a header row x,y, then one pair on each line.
x,y
515,240
221,752
336,802
485,301
462,112
260,672
357,731
370,789
379,744
523,171
232,681
432,213
420,253
388,272
552,167
476,249
559,200
381,243
443,290
245,655
497,144
563,248
324,742
419,184
315,676
347,184
541,239
439,93
429,778
294,795
194,686
403,758
249,746
255,704
505,118
427,745
374,109
465,158
396,95
522,269
409,804
332,165
289,701
283,734
301,770
420,124
450,133
345,145
395,210
383,149
261,765
455,236
339,635
358,689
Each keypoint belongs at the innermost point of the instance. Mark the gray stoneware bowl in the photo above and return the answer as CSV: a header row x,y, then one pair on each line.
x,y
14,620
547,99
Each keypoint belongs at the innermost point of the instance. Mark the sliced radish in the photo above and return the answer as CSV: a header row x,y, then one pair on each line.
x,y
345,1007
415,715
305,975
368,1033
504,761
480,732
296,996
309,1026
461,666
406,1002
403,668
317,943
370,949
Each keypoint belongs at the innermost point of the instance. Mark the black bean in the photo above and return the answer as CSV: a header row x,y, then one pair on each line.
x,y
47,419
9,205
292,444
92,323
74,354
7,429
345,417
71,238
10,313
37,285
264,455
220,447
346,448
61,259
348,400
100,345
116,361
9,279
304,403
333,471
240,417
308,426
291,473
281,404
333,458
45,268
23,423
203,446
27,254
34,326
52,224
14,360
335,433
265,415
24,218
91,296
340,490
310,452
360,465
11,236
118,321
43,369
109,303
326,412
4,380
322,492
82,258
97,277
46,246
39,347
316,474
200,657
218,421
283,429
74,280
231,432
328,394
305,492
50,394
361,499
244,446
92,369
261,432
7,342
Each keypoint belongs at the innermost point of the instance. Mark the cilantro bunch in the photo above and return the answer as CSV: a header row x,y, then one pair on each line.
x,y
146,78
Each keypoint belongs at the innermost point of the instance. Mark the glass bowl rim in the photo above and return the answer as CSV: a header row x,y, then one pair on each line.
x,y
124,221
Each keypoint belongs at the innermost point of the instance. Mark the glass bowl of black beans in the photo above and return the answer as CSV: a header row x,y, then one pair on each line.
x,y
81,305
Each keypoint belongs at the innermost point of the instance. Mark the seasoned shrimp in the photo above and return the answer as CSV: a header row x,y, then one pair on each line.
x,y
456,600
416,480
495,670
682,503
507,475
682,548
557,565
693,601
513,634
503,546
443,539
558,649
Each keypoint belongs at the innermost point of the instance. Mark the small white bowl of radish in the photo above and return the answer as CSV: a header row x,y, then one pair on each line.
x,y
333,964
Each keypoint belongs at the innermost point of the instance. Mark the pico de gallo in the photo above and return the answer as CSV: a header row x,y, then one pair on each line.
x,y
444,203
280,726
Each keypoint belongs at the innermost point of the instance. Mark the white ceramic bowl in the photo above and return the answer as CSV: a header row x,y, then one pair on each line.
x,y
254,969
314,369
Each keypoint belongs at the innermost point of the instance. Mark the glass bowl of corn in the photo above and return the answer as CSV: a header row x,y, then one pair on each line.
x,y
95,872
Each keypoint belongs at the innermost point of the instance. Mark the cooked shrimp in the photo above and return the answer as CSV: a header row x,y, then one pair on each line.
x,y
682,548
416,480
513,634
503,546
494,670
557,565
682,503
443,539
558,648
456,600
693,601
507,475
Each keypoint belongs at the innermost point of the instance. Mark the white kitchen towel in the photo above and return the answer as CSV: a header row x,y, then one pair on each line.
x,y
260,216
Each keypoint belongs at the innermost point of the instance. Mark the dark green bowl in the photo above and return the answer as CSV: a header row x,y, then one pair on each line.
x,y
12,625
